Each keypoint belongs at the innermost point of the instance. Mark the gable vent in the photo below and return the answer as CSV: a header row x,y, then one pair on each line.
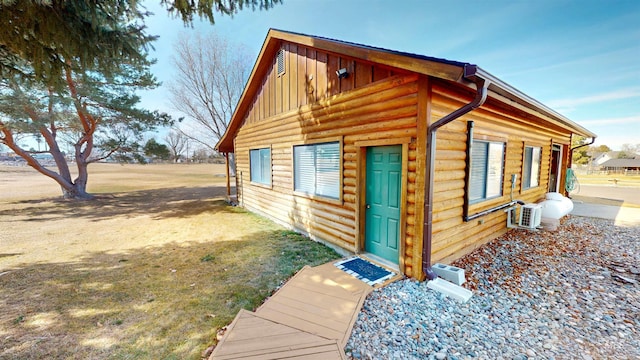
x,y
280,62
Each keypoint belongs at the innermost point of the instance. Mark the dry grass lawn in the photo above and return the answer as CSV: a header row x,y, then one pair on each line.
x,y
600,179
149,270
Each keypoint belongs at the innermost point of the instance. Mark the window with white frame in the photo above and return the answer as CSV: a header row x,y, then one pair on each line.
x,y
316,169
260,165
487,168
531,167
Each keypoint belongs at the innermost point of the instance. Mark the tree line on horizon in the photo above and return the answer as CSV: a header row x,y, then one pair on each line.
x,y
584,155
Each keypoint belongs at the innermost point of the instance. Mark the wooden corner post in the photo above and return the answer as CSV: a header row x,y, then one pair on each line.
x,y
226,161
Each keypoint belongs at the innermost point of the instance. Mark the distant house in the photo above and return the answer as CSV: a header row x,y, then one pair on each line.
x,y
405,157
600,158
621,166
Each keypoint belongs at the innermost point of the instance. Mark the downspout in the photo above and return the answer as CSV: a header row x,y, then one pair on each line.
x,y
482,86
569,173
467,173
593,139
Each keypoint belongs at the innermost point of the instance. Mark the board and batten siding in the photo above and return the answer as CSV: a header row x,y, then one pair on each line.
x,y
452,236
309,76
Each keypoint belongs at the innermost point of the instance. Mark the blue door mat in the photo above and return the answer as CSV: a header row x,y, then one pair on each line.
x,y
364,270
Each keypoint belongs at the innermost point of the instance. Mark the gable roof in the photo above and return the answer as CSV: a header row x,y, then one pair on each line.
x,y
621,163
460,72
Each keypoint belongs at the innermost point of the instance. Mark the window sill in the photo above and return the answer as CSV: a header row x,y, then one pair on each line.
x,y
317,198
264,186
482,201
485,204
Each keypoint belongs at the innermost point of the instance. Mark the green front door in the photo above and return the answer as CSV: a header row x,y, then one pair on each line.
x,y
384,173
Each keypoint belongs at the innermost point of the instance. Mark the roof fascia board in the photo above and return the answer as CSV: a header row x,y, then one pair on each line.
x,y
268,46
514,97
379,56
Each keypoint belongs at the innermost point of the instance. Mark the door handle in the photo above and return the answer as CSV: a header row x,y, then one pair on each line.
x,y
368,206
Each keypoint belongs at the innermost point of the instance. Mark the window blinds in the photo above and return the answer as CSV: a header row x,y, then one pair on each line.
x,y
317,169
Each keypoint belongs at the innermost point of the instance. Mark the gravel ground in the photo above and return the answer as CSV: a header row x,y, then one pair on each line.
x,y
569,294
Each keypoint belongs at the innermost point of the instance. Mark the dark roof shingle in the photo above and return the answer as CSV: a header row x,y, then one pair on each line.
x,y
621,163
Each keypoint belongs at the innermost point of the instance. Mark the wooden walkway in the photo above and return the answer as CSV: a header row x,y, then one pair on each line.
x,y
253,337
310,317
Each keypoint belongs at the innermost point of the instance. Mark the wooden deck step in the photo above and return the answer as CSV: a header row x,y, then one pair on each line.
x,y
310,317
323,301
252,337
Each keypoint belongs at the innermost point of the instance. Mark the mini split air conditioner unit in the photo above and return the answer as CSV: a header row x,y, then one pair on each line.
x,y
530,216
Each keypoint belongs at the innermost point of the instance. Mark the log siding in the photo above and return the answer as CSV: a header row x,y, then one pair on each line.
x,y
453,237
372,106
381,104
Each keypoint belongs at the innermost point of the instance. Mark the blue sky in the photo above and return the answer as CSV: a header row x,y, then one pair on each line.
x,y
581,58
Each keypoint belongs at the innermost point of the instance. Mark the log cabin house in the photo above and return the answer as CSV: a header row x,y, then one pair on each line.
x,y
404,157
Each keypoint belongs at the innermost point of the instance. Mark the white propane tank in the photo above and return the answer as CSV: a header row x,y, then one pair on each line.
x,y
556,206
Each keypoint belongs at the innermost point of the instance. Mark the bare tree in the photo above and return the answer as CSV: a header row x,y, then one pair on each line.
x,y
177,142
629,151
211,73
